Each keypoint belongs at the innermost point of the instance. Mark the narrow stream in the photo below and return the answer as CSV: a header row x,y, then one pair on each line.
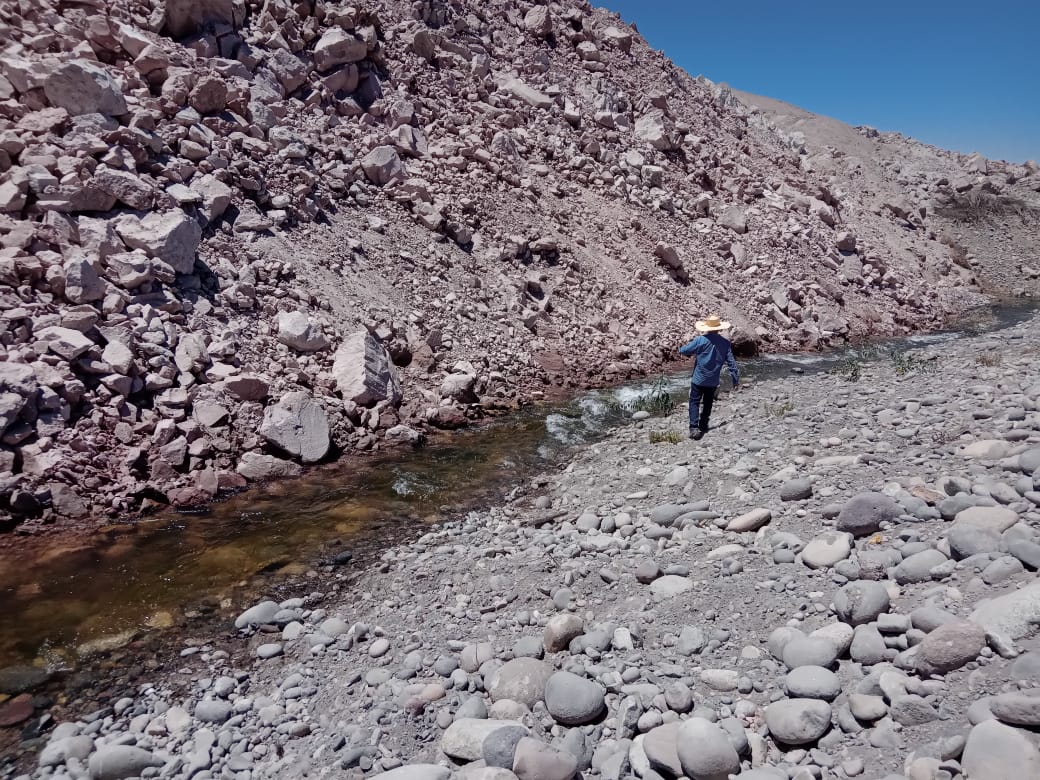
x,y
98,592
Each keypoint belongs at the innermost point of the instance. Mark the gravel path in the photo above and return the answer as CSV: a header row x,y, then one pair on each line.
x,y
838,582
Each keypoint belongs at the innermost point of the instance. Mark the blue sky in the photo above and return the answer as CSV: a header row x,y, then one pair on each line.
x,y
960,75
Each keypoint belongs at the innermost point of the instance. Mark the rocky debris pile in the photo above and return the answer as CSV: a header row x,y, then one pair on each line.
x,y
985,211
666,611
210,207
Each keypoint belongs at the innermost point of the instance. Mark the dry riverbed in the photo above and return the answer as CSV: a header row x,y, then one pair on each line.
x,y
838,581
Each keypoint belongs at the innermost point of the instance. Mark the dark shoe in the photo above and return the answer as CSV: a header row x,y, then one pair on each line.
x,y
696,435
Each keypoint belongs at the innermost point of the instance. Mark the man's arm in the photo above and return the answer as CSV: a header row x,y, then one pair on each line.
x,y
731,363
687,350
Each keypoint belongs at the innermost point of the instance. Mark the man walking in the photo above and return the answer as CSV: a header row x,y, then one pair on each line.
x,y
710,350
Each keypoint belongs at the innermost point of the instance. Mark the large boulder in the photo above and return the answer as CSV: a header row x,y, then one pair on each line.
x,y
363,371
383,165
170,236
338,47
83,87
298,426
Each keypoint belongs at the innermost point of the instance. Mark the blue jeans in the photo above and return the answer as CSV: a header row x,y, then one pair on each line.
x,y
702,398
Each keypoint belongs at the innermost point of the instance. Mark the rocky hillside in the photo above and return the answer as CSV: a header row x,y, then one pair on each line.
x,y
987,212
240,237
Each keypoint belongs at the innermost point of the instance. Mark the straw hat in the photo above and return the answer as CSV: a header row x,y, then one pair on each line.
x,y
711,324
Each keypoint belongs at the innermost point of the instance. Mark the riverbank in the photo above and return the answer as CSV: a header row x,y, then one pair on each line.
x,y
615,613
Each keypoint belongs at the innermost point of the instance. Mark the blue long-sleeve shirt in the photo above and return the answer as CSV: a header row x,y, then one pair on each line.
x,y
712,350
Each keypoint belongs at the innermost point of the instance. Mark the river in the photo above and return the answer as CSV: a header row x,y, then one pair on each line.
x,y
70,602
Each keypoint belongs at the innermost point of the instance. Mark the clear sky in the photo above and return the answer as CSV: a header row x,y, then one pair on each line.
x,y
961,75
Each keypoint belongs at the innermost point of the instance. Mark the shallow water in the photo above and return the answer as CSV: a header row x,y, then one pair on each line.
x,y
125,580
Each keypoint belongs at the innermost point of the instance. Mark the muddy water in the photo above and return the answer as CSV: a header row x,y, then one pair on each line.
x,y
60,604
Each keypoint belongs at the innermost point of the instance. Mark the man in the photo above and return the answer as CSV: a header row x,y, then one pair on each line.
x,y
710,350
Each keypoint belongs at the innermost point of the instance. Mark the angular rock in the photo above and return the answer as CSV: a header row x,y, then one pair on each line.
x,y
383,165
337,47
84,87
296,330
82,284
297,425
170,236
363,371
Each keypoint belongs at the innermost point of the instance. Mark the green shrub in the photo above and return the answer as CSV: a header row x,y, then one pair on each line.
x,y
672,437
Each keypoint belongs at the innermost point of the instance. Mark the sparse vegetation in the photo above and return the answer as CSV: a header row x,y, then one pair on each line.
x,y
778,408
849,368
990,359
909,363
659,437
977,204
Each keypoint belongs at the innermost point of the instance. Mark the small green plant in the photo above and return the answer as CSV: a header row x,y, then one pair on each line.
x,y
659,437
779,408
849,368
906,362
